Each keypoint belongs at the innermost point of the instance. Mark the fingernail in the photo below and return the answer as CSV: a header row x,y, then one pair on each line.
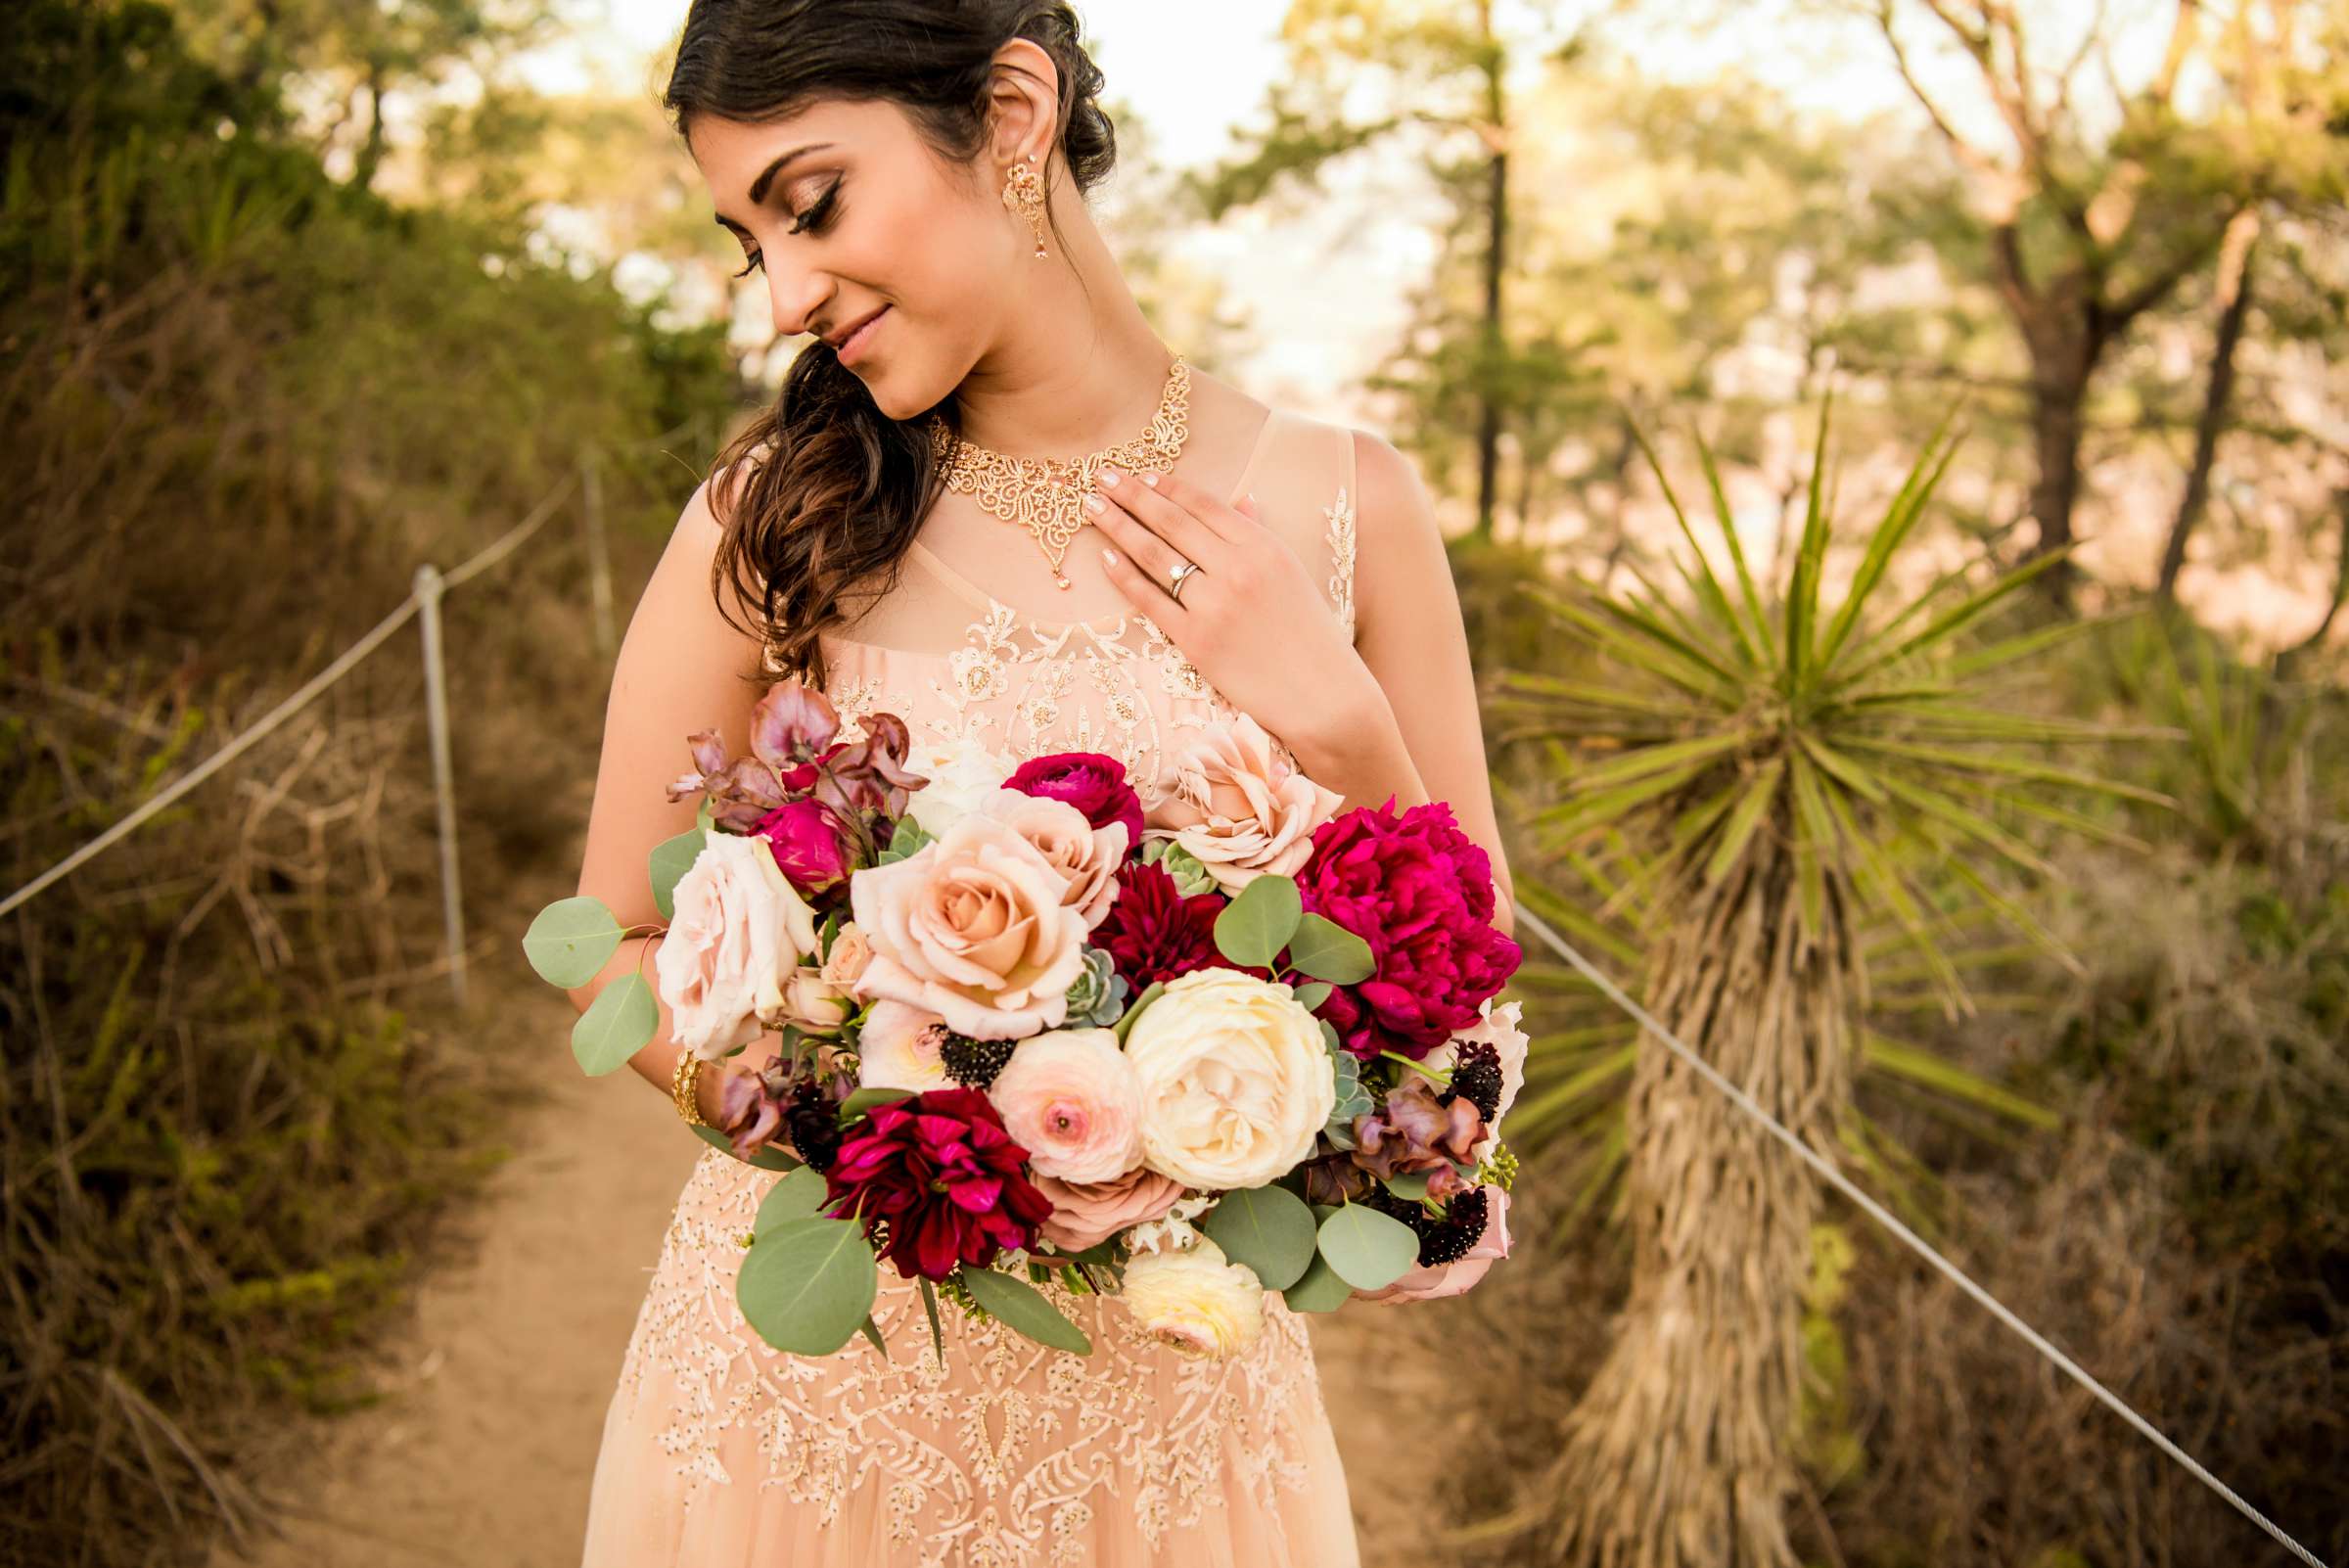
x,y
1094,503
1109,476
1110,556
1150,480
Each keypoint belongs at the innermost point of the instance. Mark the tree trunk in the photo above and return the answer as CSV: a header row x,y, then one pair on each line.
x,y
1487,419
2234,291
2059,422
1679,1454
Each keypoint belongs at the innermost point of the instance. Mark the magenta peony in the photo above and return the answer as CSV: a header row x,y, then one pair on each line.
x,y
1419,892
1092,782
940,1171
811,844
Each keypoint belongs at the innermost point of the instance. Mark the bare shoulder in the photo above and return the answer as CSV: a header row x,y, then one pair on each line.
x,y
1391,500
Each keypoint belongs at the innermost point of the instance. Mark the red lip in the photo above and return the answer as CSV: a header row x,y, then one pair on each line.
x,y
853,343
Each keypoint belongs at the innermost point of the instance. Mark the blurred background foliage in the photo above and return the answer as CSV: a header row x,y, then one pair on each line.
x,y
296,294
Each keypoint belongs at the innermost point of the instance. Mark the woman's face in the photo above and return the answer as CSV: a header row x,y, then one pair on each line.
x,y
847,211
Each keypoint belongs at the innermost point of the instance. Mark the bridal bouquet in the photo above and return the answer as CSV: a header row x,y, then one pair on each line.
x,y
1244,1042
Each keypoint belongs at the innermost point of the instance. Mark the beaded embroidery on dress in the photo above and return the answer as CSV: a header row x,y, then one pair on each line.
x,y
719,1452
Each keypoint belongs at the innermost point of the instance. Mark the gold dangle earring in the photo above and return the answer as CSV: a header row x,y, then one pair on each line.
x,y
1024,194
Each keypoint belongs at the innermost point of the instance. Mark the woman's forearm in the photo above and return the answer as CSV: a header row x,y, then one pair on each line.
x,y
1359,751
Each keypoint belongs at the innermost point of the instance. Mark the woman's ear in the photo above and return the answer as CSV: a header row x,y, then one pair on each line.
x,y
1023,102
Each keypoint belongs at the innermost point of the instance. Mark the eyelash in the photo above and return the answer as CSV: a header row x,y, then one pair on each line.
x,y
815,219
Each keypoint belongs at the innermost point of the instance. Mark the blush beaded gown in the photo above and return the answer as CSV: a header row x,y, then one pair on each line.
x,y
719,1452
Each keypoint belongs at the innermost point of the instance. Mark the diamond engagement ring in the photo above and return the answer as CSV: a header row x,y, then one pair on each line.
x,y
1174,578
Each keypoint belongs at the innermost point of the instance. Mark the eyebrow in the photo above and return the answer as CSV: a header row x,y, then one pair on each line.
x,y
766,177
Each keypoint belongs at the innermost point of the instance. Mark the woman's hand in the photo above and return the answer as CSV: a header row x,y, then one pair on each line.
x,y
1251,620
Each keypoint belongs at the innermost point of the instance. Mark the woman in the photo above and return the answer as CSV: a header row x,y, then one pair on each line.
x,y
909,177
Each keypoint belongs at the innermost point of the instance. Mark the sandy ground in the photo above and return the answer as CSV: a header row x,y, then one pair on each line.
x,y
480,1451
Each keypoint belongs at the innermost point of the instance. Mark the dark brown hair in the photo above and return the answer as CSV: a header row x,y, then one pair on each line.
x,y
824,492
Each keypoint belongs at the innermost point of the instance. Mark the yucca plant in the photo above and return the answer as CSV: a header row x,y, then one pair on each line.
x,y
1788,776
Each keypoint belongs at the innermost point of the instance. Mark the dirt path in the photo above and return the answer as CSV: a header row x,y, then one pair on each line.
x,y
479,1453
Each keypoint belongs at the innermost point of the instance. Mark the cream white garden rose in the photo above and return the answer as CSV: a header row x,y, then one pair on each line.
x,y
1236,1080
961,773
739,931
1195,1300
898,1048
1086,855
1239,807
972,926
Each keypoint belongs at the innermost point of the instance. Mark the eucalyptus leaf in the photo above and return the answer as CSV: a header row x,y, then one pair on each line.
x,y
1367,1249
1319,1289
1409,1185
1330,1036
808,1284
572,940
1269,1228
766,1159
621,1021
1311,995
799,1194
671,860
872,1331
1254,927
864,1099
1024,1308
1327,951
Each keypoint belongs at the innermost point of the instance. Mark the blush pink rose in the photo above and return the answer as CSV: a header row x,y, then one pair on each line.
x,y
1425,1284
1086,1213
1087,856
1240,808
1072,1101
973,927
897,1046
736,939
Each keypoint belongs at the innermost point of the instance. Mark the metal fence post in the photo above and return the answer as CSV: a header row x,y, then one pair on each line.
x,y
429,588
599,558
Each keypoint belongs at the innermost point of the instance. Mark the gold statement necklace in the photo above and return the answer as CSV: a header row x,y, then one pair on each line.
x,y
1045,496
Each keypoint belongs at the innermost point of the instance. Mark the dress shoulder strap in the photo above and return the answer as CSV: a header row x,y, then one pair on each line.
x,y
1303,477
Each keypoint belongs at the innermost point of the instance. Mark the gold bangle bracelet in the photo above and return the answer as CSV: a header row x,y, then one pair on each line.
x,y
682,1086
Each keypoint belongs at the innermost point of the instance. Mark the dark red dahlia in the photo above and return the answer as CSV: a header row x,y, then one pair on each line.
x,y
1153,932
1094,782
1419,892
940,1168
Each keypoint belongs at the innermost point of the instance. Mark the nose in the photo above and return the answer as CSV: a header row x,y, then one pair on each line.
x,y
796,297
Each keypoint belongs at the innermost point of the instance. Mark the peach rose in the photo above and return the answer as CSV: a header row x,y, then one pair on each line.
x,y
1086,855
1240,810
739,931
1423,1283
972,927
849,954
1070,1098
1086,1213
898,1048
813,1005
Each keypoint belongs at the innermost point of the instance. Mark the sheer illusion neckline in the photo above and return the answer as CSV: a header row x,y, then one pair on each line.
x,y
986,603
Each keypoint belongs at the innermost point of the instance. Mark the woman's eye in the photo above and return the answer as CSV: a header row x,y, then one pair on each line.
x,y
819,215
754,264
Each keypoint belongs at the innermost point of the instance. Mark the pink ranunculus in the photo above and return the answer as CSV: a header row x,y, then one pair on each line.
x,y
1071,1099
1425,1284
810,844
1088,857
1240,808
1419,892
1086,1213
1094,782
973,927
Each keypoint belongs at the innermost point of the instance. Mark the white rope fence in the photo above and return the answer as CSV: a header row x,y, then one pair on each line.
x,y
424,599
1826,1172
